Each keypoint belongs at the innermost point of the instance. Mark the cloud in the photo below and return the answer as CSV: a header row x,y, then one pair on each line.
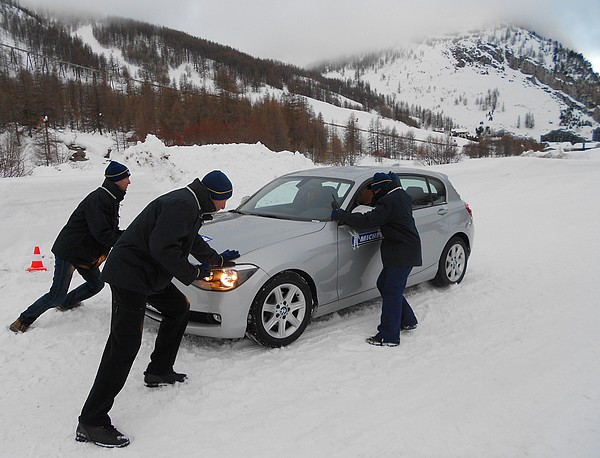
x,y
311,30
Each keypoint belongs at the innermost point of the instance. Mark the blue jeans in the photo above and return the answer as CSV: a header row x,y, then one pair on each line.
x,y
63,273
395,311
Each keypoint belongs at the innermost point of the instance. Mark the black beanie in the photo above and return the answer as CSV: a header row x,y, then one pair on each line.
x,y
218,185
116,171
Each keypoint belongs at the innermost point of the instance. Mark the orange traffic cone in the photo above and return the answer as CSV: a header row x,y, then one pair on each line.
x,y
36,264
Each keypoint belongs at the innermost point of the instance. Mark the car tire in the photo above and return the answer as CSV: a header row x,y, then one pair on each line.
x,y
280,311
453,263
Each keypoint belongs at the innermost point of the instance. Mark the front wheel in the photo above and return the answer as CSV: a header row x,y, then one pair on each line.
x,y
453,263
280,311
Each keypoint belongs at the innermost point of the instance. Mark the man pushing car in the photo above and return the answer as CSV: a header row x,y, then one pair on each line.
x,y
154,249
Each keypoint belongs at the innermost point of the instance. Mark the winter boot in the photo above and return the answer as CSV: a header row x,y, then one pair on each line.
x,y
17,326
153,380
379,341
104,436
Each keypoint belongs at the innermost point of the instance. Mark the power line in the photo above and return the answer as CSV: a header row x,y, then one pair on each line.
x,y
117,74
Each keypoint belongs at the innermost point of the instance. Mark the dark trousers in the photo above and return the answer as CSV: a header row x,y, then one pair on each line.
x,y
395,311
124,342
63,273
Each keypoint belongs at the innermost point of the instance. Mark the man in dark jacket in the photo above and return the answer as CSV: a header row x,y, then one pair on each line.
x,y
154,249
400,251
82,245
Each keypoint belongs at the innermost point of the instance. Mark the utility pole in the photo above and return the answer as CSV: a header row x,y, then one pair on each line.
x,y
47,141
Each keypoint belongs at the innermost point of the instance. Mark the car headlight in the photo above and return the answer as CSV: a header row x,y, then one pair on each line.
x,y
225,278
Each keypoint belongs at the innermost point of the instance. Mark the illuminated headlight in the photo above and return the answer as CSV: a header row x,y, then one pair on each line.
x,y
226,278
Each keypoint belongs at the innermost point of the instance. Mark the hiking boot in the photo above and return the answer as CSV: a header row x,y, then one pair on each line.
x,y
104,436
62,308
379,341
17,326
153,380
409,327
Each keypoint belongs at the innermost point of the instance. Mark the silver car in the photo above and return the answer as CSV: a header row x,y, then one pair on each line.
x,y
296,263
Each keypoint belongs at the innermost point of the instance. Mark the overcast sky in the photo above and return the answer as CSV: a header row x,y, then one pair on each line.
x,y
306,31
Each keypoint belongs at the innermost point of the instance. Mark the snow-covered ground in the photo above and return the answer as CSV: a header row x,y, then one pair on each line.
x,y
503,365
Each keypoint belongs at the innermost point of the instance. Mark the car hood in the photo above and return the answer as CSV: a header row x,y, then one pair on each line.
x,y
247,233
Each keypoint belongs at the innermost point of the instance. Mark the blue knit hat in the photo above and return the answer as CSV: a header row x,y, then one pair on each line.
x,y
218,185
380,180
116,171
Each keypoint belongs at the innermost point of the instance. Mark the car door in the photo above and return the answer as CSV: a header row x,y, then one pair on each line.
x,y
430,212
359,261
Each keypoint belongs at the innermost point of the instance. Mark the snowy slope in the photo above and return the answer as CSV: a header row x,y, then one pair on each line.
x,y
504,364
433,75
331,114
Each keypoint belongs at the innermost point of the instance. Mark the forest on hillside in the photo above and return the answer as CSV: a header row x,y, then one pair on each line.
x,y
55,80
50,80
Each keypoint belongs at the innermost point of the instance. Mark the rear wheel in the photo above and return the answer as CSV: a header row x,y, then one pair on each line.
x,y
453,263
280,311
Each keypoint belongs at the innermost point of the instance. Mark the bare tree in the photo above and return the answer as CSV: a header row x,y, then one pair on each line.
x,y
352,141
437,151
46,146
12,162
408,146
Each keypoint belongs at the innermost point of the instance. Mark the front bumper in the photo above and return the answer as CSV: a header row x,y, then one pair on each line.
x,y
231,307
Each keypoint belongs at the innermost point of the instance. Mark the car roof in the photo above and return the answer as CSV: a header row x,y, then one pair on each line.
x,y
359,173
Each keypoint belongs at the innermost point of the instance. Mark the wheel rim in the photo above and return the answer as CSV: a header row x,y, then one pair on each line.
x,y
283,310
455,262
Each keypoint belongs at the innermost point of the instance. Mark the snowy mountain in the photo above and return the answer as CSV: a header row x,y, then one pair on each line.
x,y
505,78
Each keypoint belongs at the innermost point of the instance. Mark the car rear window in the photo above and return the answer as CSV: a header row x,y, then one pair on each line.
x,y
425,191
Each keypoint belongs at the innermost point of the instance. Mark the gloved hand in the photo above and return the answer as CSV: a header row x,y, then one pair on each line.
x,y
228,255
202,270
336,214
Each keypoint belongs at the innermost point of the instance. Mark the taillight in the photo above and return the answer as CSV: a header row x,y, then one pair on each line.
x,y
469,210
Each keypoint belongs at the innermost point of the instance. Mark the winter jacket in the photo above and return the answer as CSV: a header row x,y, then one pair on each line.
x,y
156,245
401,244
92,229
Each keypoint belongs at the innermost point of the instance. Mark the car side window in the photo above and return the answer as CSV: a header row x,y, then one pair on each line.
x,y
438,191
425,191
417,189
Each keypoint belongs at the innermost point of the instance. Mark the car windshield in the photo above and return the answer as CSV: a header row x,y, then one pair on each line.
x,y
297,198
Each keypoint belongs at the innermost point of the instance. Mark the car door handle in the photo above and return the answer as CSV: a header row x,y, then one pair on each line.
x,y
442,211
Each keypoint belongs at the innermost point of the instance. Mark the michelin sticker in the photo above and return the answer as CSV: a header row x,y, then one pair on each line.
x,y
363,238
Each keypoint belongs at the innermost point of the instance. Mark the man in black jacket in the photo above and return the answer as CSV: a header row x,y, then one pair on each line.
x,y
82,245
400,251
154,249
